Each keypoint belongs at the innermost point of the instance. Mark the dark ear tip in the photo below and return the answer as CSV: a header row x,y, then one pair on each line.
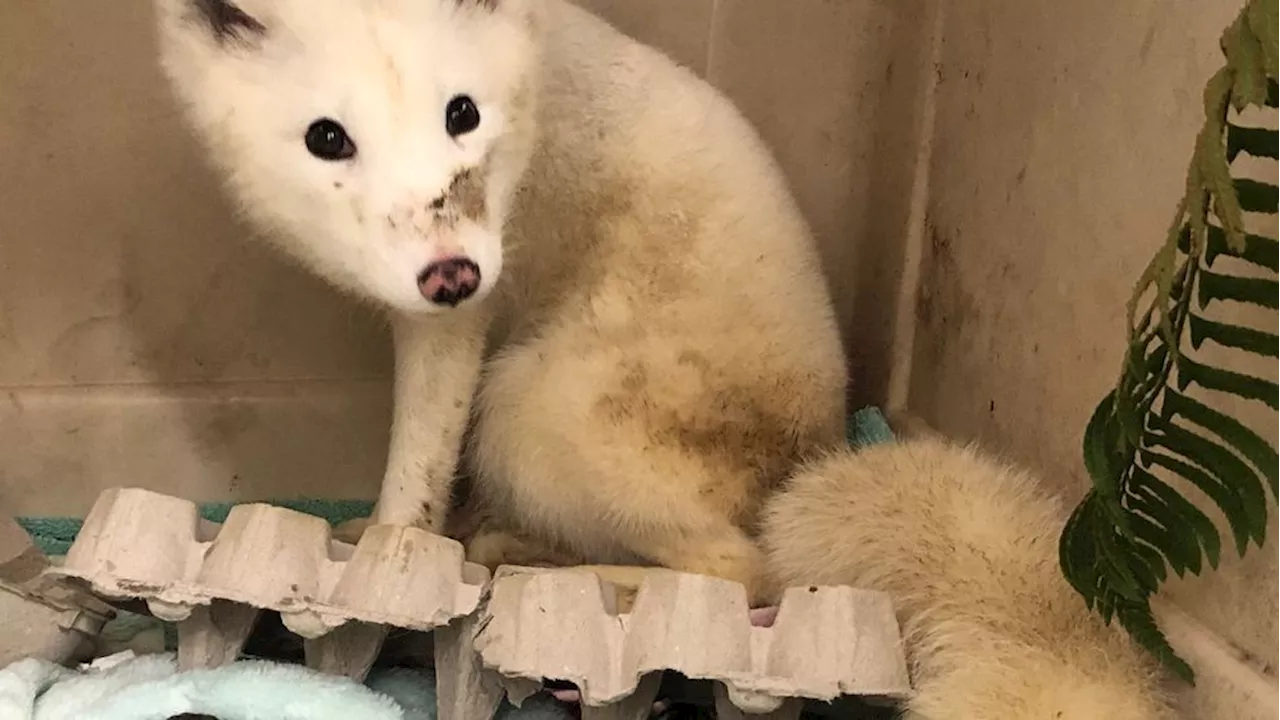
x,y
226,21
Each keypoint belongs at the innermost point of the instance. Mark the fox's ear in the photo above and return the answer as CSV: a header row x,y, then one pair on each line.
x,y
224,21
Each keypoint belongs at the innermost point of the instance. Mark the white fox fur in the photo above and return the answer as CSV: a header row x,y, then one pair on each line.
x,y
967,548
652,346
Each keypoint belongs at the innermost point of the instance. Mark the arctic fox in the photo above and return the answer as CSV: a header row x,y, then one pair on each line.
x,y
594,270
595,273
967,548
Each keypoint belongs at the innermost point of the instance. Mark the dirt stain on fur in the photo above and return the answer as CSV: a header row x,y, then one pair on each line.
x,y
466,194
584,212
750,432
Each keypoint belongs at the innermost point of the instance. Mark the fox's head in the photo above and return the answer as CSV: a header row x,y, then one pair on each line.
x,y
380,141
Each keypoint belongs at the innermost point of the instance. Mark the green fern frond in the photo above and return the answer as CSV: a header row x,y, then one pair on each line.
x,y
1133,528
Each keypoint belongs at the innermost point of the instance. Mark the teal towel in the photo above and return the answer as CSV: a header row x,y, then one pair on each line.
x,y
54,535
868,426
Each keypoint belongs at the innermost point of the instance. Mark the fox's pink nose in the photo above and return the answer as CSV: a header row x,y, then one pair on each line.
x,y
449,281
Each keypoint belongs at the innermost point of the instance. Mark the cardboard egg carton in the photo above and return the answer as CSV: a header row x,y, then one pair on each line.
x,y
505,637
213,580
40,617
567,625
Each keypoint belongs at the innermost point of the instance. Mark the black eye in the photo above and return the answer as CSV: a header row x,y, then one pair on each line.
x,y
461,116
328,141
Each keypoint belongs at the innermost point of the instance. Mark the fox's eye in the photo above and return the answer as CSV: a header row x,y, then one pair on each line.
x,y
461,116
327,140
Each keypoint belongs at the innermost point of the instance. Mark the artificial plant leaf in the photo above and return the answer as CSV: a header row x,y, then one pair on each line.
x,y
1210,174
1245,56
1232,336
1257,451
1130,422
1136,355
1134,565
1146,578
1147,384
1258,250
1181,548
1100,443
1133,523
1184,241
1227,205
1140,329
1229,470
1107,601
1155,525
1159,272
1222,495
1257,142
1254,291
1193,517
1200,191
1075,551
1127,393
1112,560
1102,577
1137,619
1262,19
1159,360
1256,196
1228,381
1154,559
1146,364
